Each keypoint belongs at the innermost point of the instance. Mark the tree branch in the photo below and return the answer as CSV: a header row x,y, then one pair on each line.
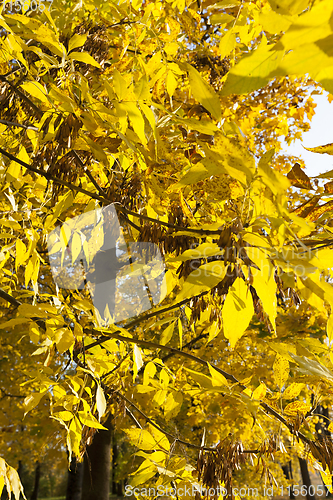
x,y
13,124
168,434
54,179
145,343
4,295
104,199
89,175
19,92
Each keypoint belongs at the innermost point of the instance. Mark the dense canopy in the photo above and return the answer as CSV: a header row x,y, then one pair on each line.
x,y
167,118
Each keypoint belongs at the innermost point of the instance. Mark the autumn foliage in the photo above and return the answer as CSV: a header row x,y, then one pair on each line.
x,y
175,112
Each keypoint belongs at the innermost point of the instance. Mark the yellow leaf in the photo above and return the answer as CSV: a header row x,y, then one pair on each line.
x,y
280,370
76,246
64,339
15,483
76,41
89,420
260,392
217,378
329,328
100,402
20,253
289,6
201,379
137,359
204,93
180,331
136,119
237,311
274,22
149,372
297,407
141,438
293,390
227,43
36,90
264,282
221,18
172,405
28,272
31,401
171,83
74,438
166,335
253,71
327,478
63,415
83,57
160,438
202,279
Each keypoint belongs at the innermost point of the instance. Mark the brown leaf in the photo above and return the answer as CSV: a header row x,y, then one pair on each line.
x,y
306,207
329,187
318,211
327,148
298,177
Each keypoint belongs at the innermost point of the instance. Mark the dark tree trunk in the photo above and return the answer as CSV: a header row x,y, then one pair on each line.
x,y
288,472
20,472
74,481
117,486
96,475
34,494
322,431
306,478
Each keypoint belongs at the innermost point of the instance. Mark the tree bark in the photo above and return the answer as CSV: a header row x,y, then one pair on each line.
x,y
96,475
74,481
306,478
34,494
287,470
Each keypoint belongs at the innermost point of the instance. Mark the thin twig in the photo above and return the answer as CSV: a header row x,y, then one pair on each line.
x,y
89,174
14,124
168,434
104,199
